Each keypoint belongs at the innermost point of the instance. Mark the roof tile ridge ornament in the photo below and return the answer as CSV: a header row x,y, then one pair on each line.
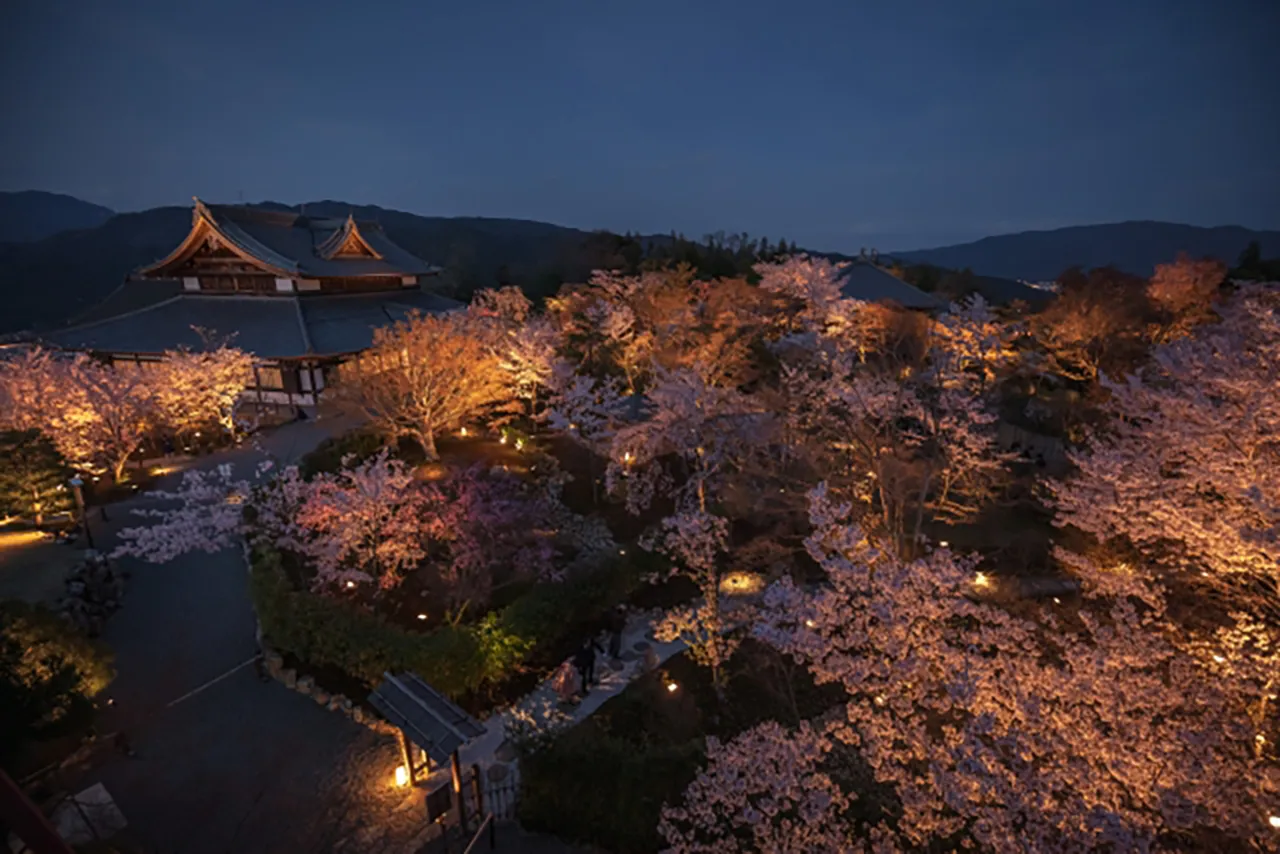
x,y
199,210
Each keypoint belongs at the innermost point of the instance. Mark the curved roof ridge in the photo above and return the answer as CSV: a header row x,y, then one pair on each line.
x,y
235,237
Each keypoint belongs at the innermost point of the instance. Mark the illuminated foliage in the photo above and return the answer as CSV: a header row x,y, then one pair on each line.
x,y
425,375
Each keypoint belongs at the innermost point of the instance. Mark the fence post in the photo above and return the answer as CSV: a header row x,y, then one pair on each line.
x,y
479,789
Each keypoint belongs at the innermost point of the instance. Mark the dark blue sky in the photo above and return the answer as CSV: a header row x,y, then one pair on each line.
x,y
896,124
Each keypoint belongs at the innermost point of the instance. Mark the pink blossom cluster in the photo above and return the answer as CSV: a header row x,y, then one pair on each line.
x,y
1043,734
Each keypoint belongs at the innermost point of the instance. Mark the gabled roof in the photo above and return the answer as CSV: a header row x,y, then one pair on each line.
x,y
293,245
347,242
871,283
270,327
426,716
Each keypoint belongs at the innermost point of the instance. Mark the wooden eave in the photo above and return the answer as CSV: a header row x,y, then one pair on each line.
x,y
204,224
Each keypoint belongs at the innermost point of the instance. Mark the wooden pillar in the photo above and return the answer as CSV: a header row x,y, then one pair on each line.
x,y
456,767
27,822
406,755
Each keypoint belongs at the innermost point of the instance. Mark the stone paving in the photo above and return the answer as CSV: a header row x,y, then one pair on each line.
x,y
542,711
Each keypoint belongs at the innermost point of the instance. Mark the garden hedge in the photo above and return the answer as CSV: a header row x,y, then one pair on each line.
x,y
458,659
591,787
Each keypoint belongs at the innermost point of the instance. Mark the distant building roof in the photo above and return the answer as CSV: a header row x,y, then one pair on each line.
x,y
290,244
871,283
426,716
998,291
271,327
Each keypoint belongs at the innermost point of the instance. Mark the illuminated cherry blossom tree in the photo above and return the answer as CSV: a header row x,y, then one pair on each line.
x,y
204,513
908,448
31,388
363,523
694,541
701,429
508,305
103,415
1188,470
765,790
973,346
196,388
425,375
815,284
527,356
97,416
1021,733
1185,291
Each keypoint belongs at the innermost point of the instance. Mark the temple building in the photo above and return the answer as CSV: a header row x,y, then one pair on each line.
x,y
300,293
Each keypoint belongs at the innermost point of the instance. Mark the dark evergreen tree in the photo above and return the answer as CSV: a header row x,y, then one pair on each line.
x,y
33,475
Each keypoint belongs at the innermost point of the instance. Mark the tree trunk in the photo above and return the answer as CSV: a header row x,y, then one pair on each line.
x,y
920,503
117,470
427,439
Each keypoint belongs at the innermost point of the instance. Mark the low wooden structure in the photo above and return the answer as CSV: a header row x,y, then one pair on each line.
x,y
431,722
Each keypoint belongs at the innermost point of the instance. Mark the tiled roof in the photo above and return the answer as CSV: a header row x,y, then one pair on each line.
x,y
427,717
271,327
298,239
345,324
867,282
295,244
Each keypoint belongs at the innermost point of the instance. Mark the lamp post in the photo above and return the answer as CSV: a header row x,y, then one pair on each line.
x,y
76,487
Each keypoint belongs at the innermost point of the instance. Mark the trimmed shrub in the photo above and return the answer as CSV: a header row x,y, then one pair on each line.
x,y
327,456
457,659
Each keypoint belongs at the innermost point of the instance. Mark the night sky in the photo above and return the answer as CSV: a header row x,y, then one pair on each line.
x,y
837,124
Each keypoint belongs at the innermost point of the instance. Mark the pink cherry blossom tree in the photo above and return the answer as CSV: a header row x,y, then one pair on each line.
x,y
691,434
973,346
363,523
484,532
908,448
765,790
371,523
1187,472
1022,733
815,284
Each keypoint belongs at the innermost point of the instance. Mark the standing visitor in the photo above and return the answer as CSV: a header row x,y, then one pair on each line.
x,y
565,682
585,661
